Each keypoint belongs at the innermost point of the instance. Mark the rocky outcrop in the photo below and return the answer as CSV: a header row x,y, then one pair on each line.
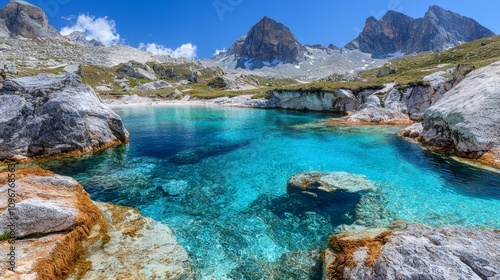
x,y
7,67
416,99
466,121
80,38
417,252
324,185
137,70
379,115
55,213
157,85
385,104
68,236
20,18
51,115
267,43
413,131
341,101
397,33
133,247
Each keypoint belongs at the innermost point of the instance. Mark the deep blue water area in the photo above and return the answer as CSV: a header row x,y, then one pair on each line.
x,y
217,176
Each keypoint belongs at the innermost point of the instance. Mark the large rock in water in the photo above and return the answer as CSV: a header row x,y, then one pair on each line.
x,y
417,252
70,237
398,33
323,185
49,115
466,121
20,18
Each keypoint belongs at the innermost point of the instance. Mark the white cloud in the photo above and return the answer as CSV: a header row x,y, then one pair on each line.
x,y
100,29
186,50
217,51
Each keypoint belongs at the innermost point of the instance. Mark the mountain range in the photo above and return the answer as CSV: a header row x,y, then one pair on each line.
x,y
270,48
438,30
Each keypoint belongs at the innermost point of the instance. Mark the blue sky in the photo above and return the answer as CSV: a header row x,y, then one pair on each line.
x,y
216,24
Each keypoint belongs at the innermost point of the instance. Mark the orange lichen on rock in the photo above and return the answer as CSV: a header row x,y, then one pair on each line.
x,y
491,158
344,246
55,254
345,121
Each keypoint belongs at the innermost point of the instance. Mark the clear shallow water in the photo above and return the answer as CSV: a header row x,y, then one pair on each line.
x,y
217,177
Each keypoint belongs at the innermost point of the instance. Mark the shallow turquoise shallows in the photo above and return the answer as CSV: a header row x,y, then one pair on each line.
x,y
217,176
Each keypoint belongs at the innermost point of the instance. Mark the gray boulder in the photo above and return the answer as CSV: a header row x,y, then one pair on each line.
x,y
57,214
413,131
467,119
158,85
20,18
49,115
8,67
417,252
193,77
177,94
379,115
137,70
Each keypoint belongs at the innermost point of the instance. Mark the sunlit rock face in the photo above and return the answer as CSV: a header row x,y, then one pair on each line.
x,y
50,115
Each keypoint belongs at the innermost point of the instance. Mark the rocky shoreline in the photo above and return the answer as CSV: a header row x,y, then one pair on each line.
x,y
81,239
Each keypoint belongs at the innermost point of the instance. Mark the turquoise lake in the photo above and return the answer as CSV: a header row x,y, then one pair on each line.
x,y
217,176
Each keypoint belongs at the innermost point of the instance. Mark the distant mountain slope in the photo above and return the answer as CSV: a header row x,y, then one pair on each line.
x,y
395,32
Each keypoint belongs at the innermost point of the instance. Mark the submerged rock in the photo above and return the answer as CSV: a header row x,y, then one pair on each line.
x,y
69,237
417,252
49,115
322,185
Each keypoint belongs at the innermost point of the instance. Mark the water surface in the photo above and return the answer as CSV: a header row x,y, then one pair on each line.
x,y
217,176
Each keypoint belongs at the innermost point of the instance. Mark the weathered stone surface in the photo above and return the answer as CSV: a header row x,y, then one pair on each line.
x,y
413,131
58,211
193,77
417,252
45,197
49,115
8,67
339,101
20,18
398,33
134,247
322,185
379,115
467,119
137,70
96,242
415,100
158,85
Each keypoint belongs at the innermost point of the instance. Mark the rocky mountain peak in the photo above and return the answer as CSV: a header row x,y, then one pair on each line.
x,y
81,38
267,43
395,32
20,18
